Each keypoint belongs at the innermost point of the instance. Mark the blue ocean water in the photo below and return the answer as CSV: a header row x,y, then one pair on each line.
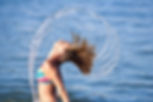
x,y
130,81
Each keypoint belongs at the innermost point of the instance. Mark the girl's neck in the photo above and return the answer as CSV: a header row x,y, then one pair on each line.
x,y
54,60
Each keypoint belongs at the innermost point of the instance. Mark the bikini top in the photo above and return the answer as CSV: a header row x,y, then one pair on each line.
x,y
41,77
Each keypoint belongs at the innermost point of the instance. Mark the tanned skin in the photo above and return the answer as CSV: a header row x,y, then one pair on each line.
x,y
51,68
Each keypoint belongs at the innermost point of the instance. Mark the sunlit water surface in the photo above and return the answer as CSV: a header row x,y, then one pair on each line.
x,y
122,32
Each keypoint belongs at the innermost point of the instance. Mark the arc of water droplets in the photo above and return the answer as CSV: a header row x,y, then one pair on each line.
x,y
40,34
33,52
108,67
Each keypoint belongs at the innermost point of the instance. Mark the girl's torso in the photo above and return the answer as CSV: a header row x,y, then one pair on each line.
x,y
45,85
42,78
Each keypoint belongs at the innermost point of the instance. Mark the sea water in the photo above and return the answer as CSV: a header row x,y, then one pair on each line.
x,y
120,30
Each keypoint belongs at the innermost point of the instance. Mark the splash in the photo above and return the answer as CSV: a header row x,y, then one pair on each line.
x,y
84,22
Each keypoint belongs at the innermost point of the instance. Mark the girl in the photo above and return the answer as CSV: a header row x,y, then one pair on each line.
x,y
49,76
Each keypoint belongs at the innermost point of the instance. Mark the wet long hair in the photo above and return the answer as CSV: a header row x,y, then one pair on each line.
x,y
81,53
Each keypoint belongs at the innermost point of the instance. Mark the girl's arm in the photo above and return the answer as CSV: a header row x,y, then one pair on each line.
x,y
54,74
